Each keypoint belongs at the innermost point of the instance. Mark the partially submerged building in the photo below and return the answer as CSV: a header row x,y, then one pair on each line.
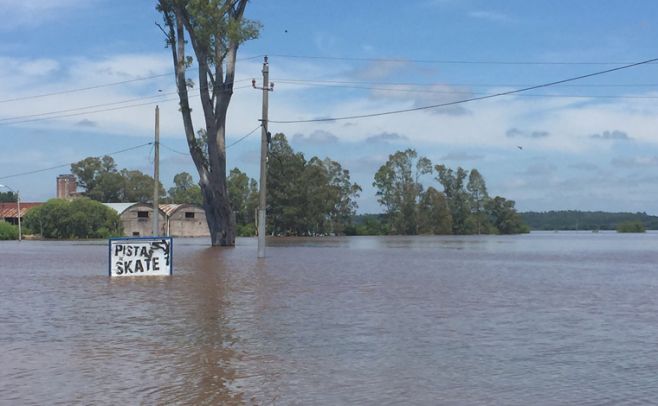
x,y
9,211
176,220
185,220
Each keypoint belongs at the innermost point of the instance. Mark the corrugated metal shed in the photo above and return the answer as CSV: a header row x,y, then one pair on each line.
x,y
169,209
119,207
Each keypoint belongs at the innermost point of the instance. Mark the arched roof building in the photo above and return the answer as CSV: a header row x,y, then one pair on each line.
x,y
176,220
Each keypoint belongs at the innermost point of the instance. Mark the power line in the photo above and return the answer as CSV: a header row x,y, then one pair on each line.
x,y
91,112
455,92
81,113
357,82
82,89
242,138
543,85
444,61
85,107
122,82
227,147
174,150
71,163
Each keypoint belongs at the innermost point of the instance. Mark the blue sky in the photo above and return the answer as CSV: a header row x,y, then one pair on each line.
x,y
590,145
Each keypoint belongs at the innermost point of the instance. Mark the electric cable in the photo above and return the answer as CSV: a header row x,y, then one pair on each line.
x,y
465,92
7,120
227,147
357,82
510,92
82,89
243,137
71,163
443,61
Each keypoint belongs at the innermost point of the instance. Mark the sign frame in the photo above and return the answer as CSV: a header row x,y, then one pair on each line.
x,y
127,240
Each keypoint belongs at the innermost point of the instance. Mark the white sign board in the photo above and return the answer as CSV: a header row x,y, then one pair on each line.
x,y
141,256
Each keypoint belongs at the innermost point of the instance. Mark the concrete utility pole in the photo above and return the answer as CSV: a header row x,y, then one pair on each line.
x,y
156,174
264,141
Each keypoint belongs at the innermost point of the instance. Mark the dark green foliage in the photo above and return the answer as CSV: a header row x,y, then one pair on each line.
x,y
78,218
185,190
585,220
243,194
103,182
369,224
434,213
458,198
8,231
307,197
7,197
504,217
399,189
246,230
462,208
631,227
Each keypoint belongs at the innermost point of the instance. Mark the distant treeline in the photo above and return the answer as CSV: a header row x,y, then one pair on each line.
x,y
585,220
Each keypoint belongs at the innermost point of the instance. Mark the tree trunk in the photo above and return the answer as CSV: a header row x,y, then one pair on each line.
x,y
216,49
218,215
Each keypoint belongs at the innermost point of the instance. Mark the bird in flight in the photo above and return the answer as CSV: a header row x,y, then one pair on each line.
x,y
519,147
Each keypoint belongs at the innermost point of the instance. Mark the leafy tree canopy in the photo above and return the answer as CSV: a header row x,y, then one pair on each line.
x,y
102,181
7,197
307,197
77,218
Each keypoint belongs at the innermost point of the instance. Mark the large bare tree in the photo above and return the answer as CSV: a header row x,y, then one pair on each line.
x,y
214,29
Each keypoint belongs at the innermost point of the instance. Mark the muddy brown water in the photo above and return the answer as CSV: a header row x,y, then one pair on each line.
x,y
545,318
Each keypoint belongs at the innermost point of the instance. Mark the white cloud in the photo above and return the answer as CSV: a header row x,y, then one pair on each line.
x,y
482,131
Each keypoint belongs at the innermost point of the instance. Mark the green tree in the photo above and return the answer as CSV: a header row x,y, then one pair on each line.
x,y
342,196
103,182
458,198
399,188
316,198
243,192
214,29
7,197
138,187
307,197
92,172
285,195
185,190
78,218
478,197
631,227
434,213
504,217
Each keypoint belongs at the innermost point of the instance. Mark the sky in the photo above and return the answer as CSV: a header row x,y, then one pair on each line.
x,y
82,78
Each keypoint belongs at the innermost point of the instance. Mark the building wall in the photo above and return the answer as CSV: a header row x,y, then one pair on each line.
x,y
136,226
67,186
188,221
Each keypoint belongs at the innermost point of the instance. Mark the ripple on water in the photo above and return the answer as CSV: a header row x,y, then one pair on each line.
x,y
538,319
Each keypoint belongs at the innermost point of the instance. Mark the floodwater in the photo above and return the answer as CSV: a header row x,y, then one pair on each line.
x,y
540,319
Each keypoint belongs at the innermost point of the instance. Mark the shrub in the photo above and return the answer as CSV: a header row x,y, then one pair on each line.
x,y
8,231
246,230
79,218
631,227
